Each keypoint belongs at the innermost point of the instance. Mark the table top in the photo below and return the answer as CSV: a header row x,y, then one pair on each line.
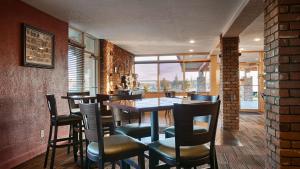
x,y
149,104
78,97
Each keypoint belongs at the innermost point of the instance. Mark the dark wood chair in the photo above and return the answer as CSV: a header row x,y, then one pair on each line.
x,y
188,148
171,94
136,130
63,120
106,114
113,148
74,108
170,131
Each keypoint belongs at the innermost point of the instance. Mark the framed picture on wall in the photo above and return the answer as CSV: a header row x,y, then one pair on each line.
x,y
38,47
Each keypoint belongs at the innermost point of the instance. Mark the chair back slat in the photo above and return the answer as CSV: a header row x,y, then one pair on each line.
x,y
204,97
210,98
92,123
183,121
72,103
51,103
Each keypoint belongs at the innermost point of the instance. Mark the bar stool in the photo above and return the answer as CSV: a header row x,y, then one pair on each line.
x,y
62,120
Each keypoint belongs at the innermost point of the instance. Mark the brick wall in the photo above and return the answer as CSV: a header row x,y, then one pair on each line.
x,y
111,57
229,90
282,62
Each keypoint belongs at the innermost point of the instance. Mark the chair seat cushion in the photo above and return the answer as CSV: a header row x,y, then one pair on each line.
x,y
117,147
166,148
170,131
135,130
68,119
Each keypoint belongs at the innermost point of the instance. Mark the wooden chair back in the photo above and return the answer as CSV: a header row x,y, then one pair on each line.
x,y
92,124
51,103
72,103
184,129
204,97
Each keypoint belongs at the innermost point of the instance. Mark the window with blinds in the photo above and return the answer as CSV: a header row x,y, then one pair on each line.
x,y
75,68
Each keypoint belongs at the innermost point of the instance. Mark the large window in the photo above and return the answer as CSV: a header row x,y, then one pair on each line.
x,y
172,73
171,77
82,62
147,75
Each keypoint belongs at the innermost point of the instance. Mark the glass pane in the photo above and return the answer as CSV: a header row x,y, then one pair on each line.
x,y
147,77
75,35
249,87
145,58
90,82
171,77
89,44
168,58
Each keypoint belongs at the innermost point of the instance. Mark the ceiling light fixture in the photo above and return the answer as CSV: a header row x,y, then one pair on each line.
x,y
192,41
256,39
191,50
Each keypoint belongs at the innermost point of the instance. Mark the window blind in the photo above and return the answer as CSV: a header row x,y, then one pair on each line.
x,y
75,68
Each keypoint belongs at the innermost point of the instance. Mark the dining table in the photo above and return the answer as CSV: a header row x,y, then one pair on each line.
x,y
153,105
85,99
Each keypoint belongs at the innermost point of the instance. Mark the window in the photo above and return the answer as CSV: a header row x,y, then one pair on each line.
x,y
75,68
82,62
147,76
171,77
176,73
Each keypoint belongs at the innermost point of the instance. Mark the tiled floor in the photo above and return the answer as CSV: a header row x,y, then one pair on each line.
x,y
243,149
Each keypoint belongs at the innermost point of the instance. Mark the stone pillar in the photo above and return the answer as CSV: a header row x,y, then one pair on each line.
x,y
214,70
282,66
229,89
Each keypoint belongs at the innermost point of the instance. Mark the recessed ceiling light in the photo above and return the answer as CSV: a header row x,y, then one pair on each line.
x,y
191,50
192,41
256,39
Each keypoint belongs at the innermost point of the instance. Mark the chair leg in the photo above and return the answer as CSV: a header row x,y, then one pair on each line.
x,y
75,144
81,145
215,159
54,147
141,160
113,165
70,135
124,165
48,146
152,160
100,164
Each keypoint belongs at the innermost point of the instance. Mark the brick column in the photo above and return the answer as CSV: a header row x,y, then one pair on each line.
x,y
229,74
282,62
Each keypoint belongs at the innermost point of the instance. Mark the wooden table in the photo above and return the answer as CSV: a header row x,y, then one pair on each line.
x,y
152,105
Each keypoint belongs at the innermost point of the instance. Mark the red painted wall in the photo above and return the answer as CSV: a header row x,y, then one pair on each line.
x,y
23,111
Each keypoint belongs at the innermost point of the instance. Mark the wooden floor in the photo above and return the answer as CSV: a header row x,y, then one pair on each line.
x,y
243,149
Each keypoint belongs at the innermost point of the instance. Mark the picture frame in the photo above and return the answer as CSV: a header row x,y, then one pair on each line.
x,y
38,47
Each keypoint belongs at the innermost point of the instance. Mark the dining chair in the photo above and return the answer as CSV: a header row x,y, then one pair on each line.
x,y
136,130
112,148
106,114
74,108
170,94
170,131
188,148
62,120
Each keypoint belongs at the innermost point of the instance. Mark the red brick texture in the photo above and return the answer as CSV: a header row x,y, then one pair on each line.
x,y
112,56
282,62
229,90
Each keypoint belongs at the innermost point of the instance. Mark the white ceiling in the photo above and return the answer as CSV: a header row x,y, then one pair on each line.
x,y
147,26
254,30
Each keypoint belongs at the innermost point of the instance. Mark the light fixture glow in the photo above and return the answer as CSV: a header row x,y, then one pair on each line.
x,y
241,49
256,39
192,41
191,50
